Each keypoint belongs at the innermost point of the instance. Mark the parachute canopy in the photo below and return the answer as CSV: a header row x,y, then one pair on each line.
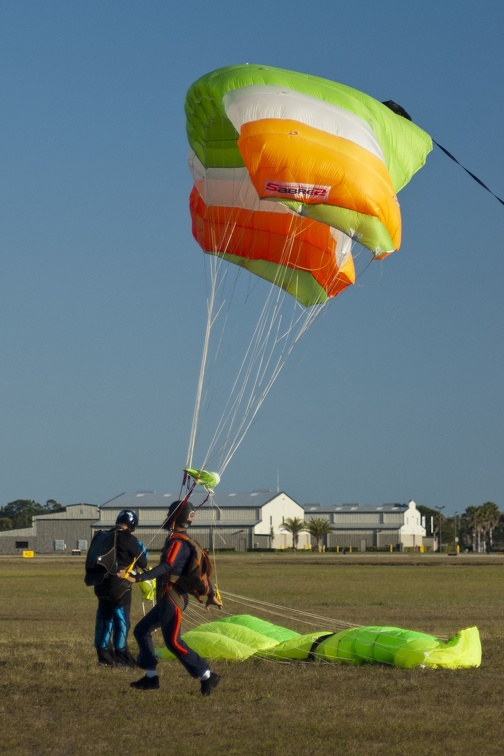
x,y
240,636
289,168
290,173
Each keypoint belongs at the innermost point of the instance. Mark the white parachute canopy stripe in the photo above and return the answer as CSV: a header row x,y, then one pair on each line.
x,y
254,103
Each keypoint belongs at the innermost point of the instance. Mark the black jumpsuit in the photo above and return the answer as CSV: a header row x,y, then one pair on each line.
x,y
114,604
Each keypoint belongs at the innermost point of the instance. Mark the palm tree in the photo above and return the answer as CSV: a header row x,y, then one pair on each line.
x,y
295,526
474,520
318,527
490,515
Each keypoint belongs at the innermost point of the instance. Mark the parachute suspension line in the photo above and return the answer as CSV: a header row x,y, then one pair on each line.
x,y
472,175
254,353
304,618
197,404
254,404
264,357
252,379
286,613
266,349
298,615
215,580
211,318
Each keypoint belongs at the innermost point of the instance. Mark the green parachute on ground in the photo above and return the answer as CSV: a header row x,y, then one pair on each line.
x,y
242,636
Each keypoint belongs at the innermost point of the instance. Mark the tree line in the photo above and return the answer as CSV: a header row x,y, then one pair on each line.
x,y
477,528
19,513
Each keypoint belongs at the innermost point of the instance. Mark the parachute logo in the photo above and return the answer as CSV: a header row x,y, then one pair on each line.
x,y
298,191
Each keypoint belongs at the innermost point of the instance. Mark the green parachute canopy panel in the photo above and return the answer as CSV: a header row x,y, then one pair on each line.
x,y
241,636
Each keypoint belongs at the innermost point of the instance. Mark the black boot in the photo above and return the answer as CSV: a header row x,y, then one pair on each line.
x,y
209,684
105,657
124,658
146,683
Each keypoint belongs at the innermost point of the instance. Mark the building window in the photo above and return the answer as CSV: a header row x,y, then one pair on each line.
x,y
21,544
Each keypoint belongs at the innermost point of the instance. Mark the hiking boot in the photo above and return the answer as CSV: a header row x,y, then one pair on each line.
x,y
208,685
146,683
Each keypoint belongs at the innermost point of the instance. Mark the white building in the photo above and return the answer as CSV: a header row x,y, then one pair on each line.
x,y
413,530
238,521
362,527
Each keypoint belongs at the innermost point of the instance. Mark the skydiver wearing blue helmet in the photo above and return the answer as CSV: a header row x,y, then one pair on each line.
x,y
114,597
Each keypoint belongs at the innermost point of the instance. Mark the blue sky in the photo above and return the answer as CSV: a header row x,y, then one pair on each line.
x,y
395,393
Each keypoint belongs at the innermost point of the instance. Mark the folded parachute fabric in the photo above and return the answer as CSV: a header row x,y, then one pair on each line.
x,y
385,645
242,636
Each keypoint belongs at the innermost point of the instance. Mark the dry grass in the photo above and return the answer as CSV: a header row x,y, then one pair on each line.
x,y
55,700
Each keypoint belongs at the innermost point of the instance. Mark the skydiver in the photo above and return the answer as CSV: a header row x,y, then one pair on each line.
x,y
172,600
114,597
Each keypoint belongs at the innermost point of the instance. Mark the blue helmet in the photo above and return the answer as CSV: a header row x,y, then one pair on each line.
x,y
129,518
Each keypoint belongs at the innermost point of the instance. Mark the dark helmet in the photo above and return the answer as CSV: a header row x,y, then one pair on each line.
x,y
129,518
179,514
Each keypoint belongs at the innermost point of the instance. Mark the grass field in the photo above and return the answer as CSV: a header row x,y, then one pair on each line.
x,y
55,700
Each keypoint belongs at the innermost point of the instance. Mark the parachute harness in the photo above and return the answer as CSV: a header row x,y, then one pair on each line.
x,y
208,480
199,477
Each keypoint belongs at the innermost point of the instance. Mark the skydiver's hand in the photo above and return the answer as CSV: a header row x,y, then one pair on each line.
x,y
213,601
122,574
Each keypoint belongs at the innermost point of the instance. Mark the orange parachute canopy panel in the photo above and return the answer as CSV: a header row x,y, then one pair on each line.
x,y
308,259
290,160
